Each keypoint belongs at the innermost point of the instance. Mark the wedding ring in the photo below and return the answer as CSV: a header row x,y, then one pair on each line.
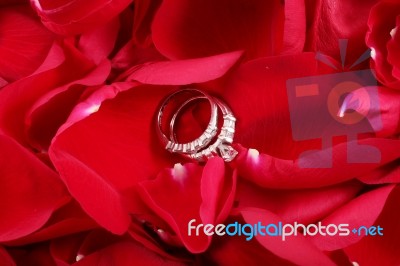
x,y
222,144
200,149
197,144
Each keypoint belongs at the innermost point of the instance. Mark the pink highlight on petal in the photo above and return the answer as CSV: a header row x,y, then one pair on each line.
x,y
253,155
179,172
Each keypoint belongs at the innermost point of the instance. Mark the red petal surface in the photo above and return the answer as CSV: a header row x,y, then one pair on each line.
x,y
69,219
17,98
379,39
289,249
5,258
181,72
53,108
30,191
124,253
332,20
68,17
187,198
304,206
99,43
87,148
383,115
227,251
362,211
200,28
24,43
381,250
257,95
389,173
271,172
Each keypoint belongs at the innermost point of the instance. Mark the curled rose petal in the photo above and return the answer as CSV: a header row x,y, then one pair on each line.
x,y
384,42
362,211
181,72
30,191
201,28
334,20
17,98
73,17
271,172
383,250
188,184
289,249
52,109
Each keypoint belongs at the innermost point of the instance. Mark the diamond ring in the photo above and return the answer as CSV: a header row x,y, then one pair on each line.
x,y
200,149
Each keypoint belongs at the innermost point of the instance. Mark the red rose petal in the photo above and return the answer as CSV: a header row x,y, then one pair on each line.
x,y
33,255
99,43
294,28
362,211
143,18
53,108
132,54
5,258
389,173
68,17
194,29
30,191
257,95
24,43
381,250
332,20
384,116
393,47
69,219
181,72
227,251
124,122
271,172
289,249
112,213
379,42
303,206
64,250
189,182
124,253
17,98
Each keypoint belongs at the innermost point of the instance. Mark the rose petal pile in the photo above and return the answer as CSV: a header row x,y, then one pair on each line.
x,y
84,180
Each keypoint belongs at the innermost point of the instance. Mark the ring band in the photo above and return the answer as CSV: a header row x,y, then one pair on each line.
x,y
200,149
197,144
222,145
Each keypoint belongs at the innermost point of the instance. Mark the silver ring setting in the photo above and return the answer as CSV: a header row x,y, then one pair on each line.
x,y
200,148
